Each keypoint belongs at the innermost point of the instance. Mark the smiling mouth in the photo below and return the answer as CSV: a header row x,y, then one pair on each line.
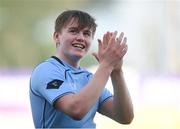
x,y
77,45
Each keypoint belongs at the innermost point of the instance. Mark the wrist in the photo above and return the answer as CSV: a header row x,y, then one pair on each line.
x,y
107,68
117,71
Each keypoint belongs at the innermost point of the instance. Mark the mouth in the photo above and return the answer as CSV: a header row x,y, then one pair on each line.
x,y
78,45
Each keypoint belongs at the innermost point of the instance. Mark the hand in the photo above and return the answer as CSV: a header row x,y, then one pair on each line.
x,y
108,50
120,41
106,38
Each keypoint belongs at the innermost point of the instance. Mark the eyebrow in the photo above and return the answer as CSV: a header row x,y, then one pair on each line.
x,y
76,28
88,31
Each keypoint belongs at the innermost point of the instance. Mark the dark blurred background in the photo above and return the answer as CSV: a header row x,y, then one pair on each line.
x,y
152,28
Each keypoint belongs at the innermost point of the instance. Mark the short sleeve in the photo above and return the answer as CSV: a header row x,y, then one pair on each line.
x,y
104,96
49,82
54,93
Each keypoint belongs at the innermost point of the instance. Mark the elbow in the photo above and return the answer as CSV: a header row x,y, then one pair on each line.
x,y
71,106
128,119
77,115
78,111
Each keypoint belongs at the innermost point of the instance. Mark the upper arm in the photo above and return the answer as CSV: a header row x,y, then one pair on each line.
x,y
64,104
72,105
106,108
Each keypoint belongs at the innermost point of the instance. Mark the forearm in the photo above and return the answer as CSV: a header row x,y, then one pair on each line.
x,y
77,105
122,104
89,95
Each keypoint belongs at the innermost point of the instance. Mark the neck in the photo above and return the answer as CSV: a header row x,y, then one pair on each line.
x,y
72,61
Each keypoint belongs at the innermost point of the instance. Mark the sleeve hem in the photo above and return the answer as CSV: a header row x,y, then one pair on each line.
x,y
105,99
61,95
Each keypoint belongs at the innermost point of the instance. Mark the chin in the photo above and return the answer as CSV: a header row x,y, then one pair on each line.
x,y
78,55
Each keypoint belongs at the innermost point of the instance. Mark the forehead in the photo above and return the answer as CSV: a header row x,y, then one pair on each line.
x,y
74,23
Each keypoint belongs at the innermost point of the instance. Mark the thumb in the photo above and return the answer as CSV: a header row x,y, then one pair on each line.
x,y
100,45
96,56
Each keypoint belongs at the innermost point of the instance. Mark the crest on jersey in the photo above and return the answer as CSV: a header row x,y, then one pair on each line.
x,y
54,84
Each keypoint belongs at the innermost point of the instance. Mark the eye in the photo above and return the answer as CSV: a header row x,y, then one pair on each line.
x,y
73,30
87,33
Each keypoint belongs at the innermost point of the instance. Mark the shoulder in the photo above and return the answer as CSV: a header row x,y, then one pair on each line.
x,y
48,68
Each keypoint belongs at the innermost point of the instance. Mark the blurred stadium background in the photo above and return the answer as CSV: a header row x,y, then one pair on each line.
x,y
151,66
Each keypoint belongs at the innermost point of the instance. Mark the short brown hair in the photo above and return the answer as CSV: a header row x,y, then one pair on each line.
x,y
83,19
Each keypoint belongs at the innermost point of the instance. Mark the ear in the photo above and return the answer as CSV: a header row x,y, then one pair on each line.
x,y
56,37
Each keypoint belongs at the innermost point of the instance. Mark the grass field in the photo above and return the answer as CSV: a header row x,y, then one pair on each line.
x,y
146,117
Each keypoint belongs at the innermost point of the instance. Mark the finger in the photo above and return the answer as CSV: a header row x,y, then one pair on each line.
x,y
108,35
100,45
123,47
112,39
124,50
96,56
124,41
119,39
105,40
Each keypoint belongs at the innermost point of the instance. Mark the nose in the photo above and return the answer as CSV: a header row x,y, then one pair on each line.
x,y
80,37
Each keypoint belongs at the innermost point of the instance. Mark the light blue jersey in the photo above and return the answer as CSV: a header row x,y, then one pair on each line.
x,y
51,80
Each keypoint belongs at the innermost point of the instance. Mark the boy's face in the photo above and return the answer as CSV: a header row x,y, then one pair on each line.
x,y
74,43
